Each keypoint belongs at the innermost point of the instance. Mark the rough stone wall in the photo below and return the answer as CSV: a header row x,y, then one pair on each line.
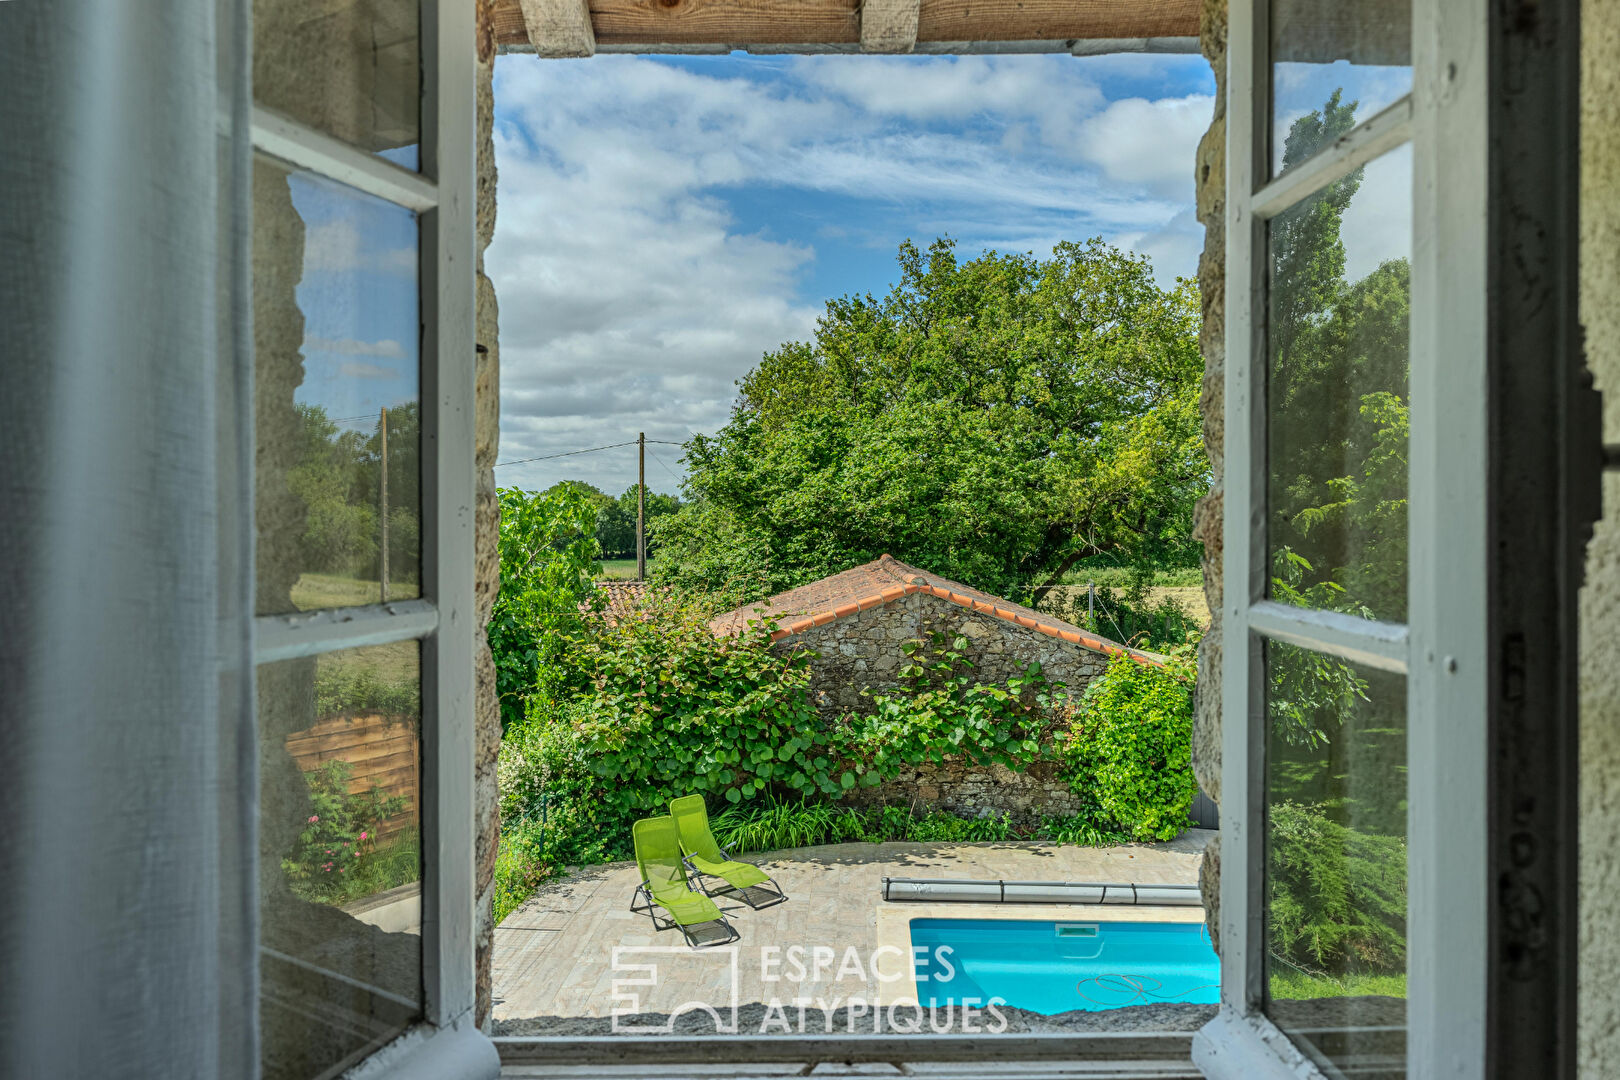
x,y
486,509
1211,193
863,652
1598,1009
976,791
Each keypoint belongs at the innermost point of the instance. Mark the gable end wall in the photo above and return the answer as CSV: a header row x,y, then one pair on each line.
x,y
863,652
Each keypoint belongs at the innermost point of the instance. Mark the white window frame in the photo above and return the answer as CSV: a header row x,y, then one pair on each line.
x,y
1442,649
447,1043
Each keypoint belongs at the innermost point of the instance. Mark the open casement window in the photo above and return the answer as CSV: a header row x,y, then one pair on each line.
x,y
361,272
1397,876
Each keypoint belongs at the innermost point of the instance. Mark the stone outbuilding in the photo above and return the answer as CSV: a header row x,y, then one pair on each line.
x,y
857,623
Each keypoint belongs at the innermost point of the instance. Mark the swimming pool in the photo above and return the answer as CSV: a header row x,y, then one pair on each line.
x,y
1053,967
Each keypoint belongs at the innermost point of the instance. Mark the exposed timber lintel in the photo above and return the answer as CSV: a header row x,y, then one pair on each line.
x,y
889,26
560,28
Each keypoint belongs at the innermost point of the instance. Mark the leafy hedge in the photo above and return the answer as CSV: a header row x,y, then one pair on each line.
x,y
670,709
1128,750
548,555
674,709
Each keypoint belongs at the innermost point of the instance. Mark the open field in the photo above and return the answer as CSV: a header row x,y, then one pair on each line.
x,y
1117,577
398,663
622,569
333,590
1066,600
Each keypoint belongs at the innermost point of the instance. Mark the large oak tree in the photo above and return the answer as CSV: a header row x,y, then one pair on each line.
x,y
992,420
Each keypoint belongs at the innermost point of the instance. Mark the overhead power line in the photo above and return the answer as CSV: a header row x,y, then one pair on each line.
x,y
566,453
587,450
667,469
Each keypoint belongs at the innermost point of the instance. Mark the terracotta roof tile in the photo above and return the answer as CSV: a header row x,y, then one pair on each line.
x,y
885,580
620,599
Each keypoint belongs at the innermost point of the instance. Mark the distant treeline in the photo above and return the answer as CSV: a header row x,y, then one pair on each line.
x,y
616,518
338,477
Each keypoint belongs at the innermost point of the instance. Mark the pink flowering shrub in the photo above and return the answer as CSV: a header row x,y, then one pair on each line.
x,y
330,858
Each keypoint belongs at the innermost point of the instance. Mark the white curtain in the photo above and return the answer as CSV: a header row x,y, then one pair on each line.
x,y
126,824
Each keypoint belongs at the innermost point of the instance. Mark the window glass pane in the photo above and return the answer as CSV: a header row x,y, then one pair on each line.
x,y
340,856
1342,60
1336,858
1337,331
336,340
349,68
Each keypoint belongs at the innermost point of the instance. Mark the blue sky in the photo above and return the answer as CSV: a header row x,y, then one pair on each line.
x,y
664,221
358,296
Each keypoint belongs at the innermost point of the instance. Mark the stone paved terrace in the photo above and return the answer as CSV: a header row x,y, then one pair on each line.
x,y
553,955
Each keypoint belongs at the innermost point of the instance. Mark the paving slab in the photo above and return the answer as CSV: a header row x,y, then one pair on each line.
x,y
574,949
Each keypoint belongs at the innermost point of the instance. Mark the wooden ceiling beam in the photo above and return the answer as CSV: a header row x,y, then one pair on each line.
x,y
837,25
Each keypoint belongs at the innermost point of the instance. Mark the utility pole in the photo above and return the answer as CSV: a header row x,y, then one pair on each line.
x,y
382,486
641,507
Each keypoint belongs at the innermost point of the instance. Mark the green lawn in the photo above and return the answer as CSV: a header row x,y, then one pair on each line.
x,y
333,590
1297,984
622,569
397,664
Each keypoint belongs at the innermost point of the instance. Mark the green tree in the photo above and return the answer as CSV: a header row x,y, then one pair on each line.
x,y
616,527
340,532
549,557
993,420
1337,492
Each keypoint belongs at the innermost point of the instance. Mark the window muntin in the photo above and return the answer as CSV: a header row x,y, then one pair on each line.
x,y
1356,51
349,68
340,854
1336,808
1338,330
338,374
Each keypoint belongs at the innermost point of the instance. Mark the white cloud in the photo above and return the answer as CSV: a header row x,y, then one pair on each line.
x,y
338,246
354,347
356,369
631,295
1377,225
1053,91
1149,143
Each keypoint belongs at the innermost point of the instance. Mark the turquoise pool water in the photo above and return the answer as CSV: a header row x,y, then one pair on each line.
x,y
1053,967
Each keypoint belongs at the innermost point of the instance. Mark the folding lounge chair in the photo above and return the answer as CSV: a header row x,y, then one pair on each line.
x,y
708,859
663,885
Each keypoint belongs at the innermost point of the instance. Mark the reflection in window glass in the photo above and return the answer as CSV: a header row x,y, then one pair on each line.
x,y
1336,858
1341,59
349,68
340,856
337,378
1337,401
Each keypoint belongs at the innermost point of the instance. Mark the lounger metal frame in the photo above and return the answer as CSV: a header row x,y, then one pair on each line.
x,y
644,893
731,890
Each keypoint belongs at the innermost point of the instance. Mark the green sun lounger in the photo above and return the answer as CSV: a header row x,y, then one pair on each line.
x,y
663,885
708,859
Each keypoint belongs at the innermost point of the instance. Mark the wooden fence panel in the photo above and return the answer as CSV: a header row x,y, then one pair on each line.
x,y
382,751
